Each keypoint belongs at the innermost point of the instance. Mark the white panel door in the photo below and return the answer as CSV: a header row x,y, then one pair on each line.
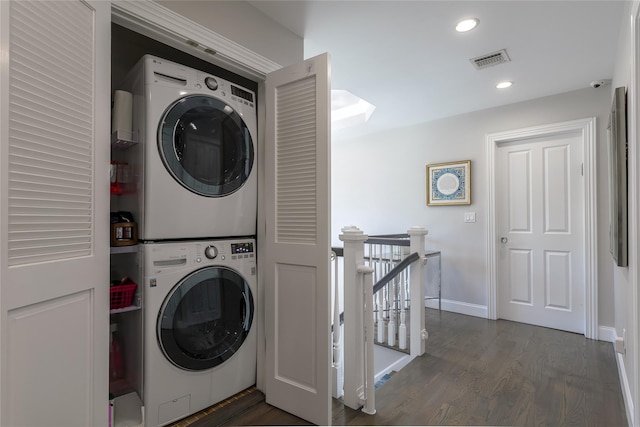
x,y
540,226
297,215
54,199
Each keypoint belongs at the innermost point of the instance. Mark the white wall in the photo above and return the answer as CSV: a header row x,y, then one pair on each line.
x,y
378,184
245,25
623,295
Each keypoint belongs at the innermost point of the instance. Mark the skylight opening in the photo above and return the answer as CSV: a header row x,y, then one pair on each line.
x,y
348,109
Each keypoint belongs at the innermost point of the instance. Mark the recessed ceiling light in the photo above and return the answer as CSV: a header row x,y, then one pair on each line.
x,y
504,85
467,25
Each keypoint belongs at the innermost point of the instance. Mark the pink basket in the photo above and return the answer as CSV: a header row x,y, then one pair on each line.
x,y
122,295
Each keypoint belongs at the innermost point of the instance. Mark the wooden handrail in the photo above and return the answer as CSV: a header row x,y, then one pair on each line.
x,y
406,262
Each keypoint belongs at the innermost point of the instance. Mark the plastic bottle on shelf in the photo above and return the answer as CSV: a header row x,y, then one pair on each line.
x,y
116,367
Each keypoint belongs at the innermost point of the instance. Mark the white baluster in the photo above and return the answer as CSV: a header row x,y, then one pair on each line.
x,y
381,306
391,327
402,329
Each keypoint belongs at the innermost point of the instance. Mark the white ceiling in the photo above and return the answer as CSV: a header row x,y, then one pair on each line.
x,y
406,58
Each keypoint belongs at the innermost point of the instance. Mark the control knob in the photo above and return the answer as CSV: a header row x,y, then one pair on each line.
x,y
211,83
211,252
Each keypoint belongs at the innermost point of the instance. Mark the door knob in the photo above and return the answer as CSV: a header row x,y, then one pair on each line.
x,y
503,240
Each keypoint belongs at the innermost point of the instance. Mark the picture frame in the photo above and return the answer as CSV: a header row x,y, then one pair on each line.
x,y
449,183
618,179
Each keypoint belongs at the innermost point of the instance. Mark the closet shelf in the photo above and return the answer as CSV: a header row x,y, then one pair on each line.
x,y
122,139
124,249
125,309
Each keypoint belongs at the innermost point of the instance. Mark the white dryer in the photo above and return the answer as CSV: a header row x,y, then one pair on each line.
x,y
199,325
195,166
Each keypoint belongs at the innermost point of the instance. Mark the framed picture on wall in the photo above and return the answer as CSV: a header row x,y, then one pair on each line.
x,y
449,183
618,179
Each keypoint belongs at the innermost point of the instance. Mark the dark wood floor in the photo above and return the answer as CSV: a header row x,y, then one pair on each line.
x,y
482,372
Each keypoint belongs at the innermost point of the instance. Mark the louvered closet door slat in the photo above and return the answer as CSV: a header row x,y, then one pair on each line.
x,y
63,88
35,161
28,111
72,123
24,156
50,97
34,136
50,132
59,226
49,203
296,159
60,34
45,192
36,142
75,184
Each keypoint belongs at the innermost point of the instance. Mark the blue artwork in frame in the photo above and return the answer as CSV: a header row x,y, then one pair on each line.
x,y
449,183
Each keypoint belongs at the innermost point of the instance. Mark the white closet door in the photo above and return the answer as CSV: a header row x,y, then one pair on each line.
x,y
54,212
296,267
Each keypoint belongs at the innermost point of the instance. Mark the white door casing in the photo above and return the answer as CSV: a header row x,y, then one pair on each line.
x,y
296,265
552,220
54,198
164,25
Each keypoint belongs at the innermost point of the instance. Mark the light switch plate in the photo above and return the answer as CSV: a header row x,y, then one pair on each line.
x,y
469,217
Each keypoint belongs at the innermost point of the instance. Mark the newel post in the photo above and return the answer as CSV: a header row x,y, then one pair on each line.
x,y
353,239
418,332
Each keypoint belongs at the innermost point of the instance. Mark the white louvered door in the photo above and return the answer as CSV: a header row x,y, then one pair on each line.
x,y
54,158
296,260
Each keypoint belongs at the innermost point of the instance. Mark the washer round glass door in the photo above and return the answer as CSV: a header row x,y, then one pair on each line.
x,y
205,145
205,318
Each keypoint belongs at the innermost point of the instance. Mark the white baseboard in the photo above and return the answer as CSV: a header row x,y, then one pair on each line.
x,y
626,391
459,307
607,333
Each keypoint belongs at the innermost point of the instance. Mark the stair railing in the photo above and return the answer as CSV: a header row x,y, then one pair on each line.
x,y
383,253
358,386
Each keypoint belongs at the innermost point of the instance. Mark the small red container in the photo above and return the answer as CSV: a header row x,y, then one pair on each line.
x,y
122,294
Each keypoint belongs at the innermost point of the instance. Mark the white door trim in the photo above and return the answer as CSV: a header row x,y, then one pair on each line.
x,y
162,24
587,128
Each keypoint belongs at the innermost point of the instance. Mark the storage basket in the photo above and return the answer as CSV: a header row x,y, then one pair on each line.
x,y
122,294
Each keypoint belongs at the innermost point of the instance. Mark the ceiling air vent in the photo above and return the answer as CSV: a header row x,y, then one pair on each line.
x,y
491,59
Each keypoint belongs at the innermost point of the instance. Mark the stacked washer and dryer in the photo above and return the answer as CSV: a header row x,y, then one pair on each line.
x,y
195,203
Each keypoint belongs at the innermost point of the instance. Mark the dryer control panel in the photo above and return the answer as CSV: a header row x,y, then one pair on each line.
x,y
164,257
224,251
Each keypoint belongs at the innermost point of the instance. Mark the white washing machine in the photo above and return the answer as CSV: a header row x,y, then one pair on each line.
x,y
199,325
195,167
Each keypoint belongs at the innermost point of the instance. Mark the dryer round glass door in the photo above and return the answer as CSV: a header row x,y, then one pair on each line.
x,y
205,318
206,146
